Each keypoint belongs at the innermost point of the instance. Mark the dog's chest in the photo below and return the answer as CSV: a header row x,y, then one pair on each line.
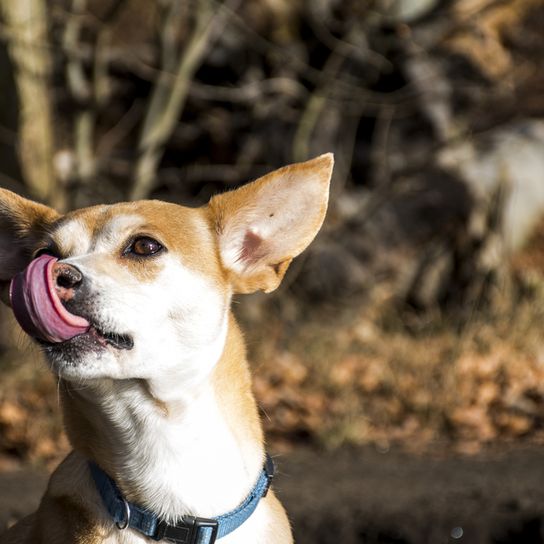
x,y
187,465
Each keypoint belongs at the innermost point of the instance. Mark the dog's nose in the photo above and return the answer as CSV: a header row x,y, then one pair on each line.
x,y
66,279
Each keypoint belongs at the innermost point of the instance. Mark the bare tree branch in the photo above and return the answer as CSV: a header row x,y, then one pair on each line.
x,y
315,105
168,99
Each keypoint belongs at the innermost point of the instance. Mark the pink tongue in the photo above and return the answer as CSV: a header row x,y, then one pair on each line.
x,y
37,306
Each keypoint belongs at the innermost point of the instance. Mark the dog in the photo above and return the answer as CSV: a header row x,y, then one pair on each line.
x,y
130,304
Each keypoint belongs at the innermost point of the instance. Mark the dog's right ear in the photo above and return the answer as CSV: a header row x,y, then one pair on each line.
x,y
262,226
23,224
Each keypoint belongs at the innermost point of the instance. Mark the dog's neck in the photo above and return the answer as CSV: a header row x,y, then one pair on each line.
x,y
199,454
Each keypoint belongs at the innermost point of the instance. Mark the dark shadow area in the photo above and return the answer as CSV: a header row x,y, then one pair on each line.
x,y
10,172
361,496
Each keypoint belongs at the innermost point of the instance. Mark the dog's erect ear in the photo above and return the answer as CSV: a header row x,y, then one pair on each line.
x,y
262,226
22,224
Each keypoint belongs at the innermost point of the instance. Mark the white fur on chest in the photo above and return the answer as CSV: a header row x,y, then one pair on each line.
x,y
185,463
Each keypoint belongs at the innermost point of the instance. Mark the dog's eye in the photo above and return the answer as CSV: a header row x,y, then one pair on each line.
x,y
144,247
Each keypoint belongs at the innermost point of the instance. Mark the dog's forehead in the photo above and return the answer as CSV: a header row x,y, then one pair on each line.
x,y
106,228
96,228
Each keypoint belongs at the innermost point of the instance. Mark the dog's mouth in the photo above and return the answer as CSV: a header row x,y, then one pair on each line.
x,y
96,336
118,341
41,313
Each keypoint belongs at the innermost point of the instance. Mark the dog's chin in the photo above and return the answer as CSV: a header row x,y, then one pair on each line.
x,y
86,355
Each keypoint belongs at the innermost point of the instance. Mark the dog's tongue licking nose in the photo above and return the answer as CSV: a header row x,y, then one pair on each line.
x,y
37,306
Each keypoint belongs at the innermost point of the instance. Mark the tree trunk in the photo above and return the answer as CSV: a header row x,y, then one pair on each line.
x,y
26,25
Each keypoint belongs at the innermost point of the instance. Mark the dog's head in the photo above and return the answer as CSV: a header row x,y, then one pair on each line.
x,y
141,289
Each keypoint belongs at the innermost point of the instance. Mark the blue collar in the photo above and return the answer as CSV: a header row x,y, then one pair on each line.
x,y
189,529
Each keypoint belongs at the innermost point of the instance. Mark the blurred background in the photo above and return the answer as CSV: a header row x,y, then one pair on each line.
x,y
400,366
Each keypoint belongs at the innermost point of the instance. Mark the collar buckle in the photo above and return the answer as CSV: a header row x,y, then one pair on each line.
x,y
188,530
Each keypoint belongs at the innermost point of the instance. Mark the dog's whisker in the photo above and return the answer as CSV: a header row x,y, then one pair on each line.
x,y
58,392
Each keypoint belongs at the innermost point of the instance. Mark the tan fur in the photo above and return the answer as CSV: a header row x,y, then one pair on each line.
x,y
238,243
24,216
23,225
238,400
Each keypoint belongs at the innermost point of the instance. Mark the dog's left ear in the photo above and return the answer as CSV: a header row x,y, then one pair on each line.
x,y
22,225
262,226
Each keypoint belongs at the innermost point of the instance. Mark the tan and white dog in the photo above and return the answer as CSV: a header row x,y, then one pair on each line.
x,y
131,306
